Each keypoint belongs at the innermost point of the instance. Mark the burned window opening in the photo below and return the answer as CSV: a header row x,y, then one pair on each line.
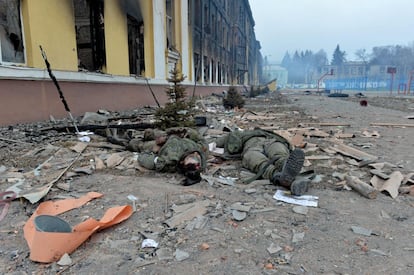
x,y
136,46
197,67
90,34
169,5
11,38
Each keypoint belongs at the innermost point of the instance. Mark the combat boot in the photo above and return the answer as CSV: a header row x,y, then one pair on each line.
x,y
299,186
290,170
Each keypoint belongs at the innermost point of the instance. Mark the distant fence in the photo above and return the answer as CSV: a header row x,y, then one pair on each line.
x,y
399,84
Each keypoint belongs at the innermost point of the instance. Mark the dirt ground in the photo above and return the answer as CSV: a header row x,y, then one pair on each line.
x,y
274,237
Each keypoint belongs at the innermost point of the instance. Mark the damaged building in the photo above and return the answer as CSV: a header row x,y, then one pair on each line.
x,y
100,50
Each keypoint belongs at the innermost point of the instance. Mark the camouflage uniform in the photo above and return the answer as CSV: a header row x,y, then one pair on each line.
x,y
174,151
261,151
268,155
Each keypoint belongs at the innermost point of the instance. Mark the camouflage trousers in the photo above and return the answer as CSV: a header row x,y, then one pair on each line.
x,y
259,151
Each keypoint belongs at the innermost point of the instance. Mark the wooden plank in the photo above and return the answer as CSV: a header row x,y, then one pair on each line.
x,y
391,124
328,124
352,152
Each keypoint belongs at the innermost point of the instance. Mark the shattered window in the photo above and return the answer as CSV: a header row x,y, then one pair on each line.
x,y
170,23
90,34
11,40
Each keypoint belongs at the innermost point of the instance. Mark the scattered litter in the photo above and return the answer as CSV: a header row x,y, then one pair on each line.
x,y
379,252
164,254
409,178
385,215
212,148
114,160
223,180
300,209
193,210
368,134
298,237
304,200
361,187
197,223
361,230
204,246
84,136
240,207
134,200
239,215
65,260
47,247
273,249
181,255
5,199
391,185
227,180
149,243
351,152
379,173
79,147
250,190
340,176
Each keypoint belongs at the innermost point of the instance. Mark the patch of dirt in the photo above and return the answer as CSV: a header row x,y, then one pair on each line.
x,y
272,239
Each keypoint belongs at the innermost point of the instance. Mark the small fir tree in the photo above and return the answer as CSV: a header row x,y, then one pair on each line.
x,y
178,112
233,99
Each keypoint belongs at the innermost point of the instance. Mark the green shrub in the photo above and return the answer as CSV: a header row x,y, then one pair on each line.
x,y
233,99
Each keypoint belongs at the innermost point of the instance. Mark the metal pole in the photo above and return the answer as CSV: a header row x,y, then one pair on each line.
x,y
392,83
65,104
152,92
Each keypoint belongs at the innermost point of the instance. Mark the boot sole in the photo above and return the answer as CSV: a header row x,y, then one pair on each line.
x,y
292,167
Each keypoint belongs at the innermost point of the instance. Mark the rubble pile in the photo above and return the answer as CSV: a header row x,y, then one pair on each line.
x,y
220,223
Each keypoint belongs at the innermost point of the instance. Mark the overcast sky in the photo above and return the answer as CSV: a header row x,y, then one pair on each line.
x,y
289,25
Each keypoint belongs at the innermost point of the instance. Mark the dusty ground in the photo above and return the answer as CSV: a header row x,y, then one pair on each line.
x,y
272,239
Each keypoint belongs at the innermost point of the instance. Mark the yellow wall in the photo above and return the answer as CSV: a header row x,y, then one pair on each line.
x,y
178,31
147,14
50,23
116,39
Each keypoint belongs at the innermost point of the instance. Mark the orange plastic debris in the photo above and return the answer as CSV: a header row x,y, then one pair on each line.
x,y
47,247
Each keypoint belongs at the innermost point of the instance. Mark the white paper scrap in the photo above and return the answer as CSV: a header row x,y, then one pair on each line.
x,y
305,200
149,243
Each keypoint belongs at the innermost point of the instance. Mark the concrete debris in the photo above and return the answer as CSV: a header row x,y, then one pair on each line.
x,y
303,210
181,255
273,249
65,260
239,215
188,212
298,237
240,207
220,213
361,230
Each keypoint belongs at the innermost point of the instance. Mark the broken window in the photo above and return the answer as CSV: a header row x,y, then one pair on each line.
x,y
197,67
11,39
206,70
169,4
136,46
90,37
136,28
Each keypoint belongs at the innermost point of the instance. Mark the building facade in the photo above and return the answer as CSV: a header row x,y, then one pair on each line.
x,y
110,53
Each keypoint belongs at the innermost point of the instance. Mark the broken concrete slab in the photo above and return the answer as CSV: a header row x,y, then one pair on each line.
x,y
191,211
